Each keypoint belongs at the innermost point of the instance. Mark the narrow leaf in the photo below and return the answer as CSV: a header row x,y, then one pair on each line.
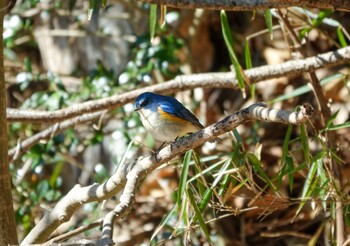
x,y
224,184
226,32
247,57
305,143
286,143
307,186
152,20
257,166
290,168
206,198
268,20
199,215
248,65
341,37
330,122
339,126
183,177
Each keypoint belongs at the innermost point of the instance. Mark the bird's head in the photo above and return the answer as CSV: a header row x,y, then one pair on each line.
x,y
146,100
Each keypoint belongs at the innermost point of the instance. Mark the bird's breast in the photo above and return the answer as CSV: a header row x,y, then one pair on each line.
x,y
165,128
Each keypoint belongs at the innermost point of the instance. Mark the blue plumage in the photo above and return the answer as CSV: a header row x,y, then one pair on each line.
x,y
165,117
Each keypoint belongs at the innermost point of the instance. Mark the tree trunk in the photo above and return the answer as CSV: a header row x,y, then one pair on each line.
x,y
8,234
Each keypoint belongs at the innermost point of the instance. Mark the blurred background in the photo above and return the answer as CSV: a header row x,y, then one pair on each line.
x,y
247,187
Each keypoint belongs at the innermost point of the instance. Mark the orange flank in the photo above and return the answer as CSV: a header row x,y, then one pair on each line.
x,y
171,118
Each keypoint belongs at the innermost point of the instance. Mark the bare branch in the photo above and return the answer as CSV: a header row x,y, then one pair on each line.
x,y
75,232
50,132
253,5
80,195
186,82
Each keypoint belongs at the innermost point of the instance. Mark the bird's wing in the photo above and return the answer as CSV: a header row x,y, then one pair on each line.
x,y
176,111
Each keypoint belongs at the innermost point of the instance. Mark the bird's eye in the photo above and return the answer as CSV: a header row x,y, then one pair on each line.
x,y
144,103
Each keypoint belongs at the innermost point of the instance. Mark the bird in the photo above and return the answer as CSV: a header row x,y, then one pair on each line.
x,y
164,117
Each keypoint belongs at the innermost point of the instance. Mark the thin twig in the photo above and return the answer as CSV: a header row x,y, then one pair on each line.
x,y
75,232
23,146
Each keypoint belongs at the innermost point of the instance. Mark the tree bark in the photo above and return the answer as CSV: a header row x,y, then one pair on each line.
x,y
8,233
253,4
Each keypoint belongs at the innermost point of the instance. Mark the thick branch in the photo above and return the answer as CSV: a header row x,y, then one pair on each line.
x,y
80,195
240,5
187,82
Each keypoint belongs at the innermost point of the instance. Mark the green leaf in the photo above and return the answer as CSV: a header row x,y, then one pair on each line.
x,y
307,186
286,143
305,143
257,166
339,126
206,198
247,57
330,122
290,169
27,64
224,184
152,20
321,16
208,194
226,32
199,215
248,65
183,177
238,137
315,22
56,173
341,37
268,20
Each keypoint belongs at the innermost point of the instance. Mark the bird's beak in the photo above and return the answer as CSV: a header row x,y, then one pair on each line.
x,y
137,108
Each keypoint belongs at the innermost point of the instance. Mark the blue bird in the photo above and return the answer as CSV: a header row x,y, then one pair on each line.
x,y
165,118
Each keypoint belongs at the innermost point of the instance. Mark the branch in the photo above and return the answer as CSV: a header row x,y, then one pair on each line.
x,y
75,232
253,5
80,195
186,82
51,131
